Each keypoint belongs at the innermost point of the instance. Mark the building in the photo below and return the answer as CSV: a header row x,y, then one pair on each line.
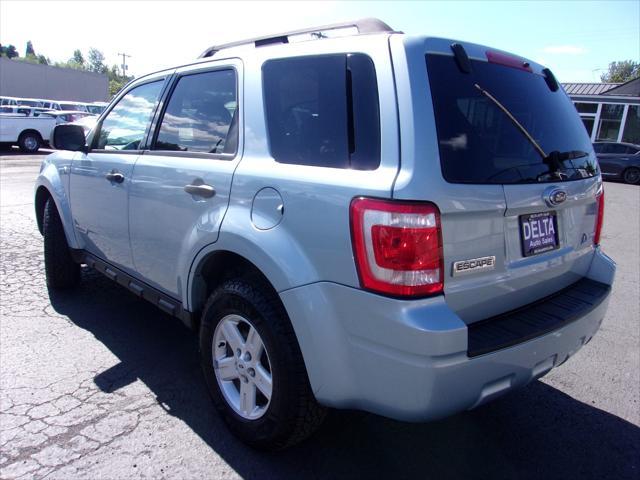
x,y
609,111
30,80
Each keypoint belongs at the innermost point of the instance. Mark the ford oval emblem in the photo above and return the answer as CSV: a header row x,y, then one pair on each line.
x,y
555,196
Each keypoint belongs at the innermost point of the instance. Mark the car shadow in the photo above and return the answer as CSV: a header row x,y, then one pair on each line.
x,y
537,432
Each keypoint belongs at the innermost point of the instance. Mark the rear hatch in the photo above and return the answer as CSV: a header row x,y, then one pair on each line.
x,y
519,181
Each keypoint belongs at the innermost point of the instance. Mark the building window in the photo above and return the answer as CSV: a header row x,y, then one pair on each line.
x,y
610,120
586,107
631,132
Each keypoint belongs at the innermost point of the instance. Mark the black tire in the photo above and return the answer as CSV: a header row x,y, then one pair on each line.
x,y
631,175
29,142
293,413
60,269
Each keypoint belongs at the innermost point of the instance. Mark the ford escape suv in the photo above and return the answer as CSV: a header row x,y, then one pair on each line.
x,y
349,216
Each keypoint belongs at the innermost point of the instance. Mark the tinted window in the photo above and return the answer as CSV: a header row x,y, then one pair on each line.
x,y
323,111
479,143
125,125
617,148
610,120
587,107
631,132
200,114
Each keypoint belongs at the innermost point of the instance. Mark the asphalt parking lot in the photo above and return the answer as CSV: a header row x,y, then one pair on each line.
x,y
100,385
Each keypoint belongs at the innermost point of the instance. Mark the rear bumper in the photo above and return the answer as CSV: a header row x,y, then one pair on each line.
x,y
409,360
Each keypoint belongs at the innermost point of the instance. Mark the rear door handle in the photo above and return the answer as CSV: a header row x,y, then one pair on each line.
x,y
202,190
115,176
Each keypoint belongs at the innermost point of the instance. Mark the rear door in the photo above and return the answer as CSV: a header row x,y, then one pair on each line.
x,y
181,183
513,173
100,179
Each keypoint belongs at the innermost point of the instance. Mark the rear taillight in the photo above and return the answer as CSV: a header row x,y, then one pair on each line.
x,y
397,246
599,217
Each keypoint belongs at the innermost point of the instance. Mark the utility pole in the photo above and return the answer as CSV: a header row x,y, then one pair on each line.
x,y
124,63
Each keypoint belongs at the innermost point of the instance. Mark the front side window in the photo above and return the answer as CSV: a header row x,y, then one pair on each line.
x,y
201,115
125,125
323,111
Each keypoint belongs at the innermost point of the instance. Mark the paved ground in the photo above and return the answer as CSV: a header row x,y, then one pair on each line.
x,y
99,384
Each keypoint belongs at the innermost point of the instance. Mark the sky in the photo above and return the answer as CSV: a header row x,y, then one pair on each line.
x,y
576,39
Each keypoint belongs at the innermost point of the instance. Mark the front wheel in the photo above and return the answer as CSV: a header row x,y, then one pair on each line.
x,y
254,368
631,175
60,269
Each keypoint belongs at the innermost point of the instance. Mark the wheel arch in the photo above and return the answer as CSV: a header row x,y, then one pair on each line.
x,y
50,185
214,268
30,130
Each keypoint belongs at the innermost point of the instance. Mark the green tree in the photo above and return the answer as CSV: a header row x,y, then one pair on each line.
x,y
620,72
116,81
43,60
11,51
77,60
96,61
29,51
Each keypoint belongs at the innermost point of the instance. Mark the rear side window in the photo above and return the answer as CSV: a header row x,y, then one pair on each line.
x,y
323,111
201,114
478,141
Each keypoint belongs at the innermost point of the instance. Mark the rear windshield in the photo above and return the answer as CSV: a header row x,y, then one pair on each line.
x,y
478,141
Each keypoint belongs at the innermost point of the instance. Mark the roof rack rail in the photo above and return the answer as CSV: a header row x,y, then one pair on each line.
x,y
364,25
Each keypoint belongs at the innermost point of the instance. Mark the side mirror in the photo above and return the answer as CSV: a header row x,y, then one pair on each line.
x,y
69,137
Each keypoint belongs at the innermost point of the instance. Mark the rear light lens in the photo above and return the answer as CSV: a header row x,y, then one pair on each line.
x,y
397,247
599,217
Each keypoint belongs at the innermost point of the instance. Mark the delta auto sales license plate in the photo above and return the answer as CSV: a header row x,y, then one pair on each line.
x,y
539,233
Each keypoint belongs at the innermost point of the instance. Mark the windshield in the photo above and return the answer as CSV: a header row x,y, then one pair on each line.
x,y
495,124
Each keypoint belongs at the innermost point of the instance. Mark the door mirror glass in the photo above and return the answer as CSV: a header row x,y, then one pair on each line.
x,y
69,137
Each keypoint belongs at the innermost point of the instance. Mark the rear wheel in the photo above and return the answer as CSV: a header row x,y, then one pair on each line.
x,y
631,175
60,269
254,368
29,142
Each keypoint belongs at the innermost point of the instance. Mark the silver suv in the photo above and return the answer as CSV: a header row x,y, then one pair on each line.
x,y
350,217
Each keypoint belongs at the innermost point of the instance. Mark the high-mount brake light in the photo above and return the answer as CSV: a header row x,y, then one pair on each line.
x,y
397,247
508,60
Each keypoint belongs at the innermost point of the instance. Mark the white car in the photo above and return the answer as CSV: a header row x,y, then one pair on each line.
x,y
29,133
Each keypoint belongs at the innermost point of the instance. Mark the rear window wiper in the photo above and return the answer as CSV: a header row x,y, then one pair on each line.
x,y
555,158
514,120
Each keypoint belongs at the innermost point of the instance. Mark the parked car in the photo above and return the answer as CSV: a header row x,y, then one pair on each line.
x,y
620,161
96,107
30,102
51,104
73,106
28,132
379,222
64,116
22,111
8,101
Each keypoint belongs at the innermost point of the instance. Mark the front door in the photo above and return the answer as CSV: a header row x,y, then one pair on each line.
x,y
180,187
100,179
